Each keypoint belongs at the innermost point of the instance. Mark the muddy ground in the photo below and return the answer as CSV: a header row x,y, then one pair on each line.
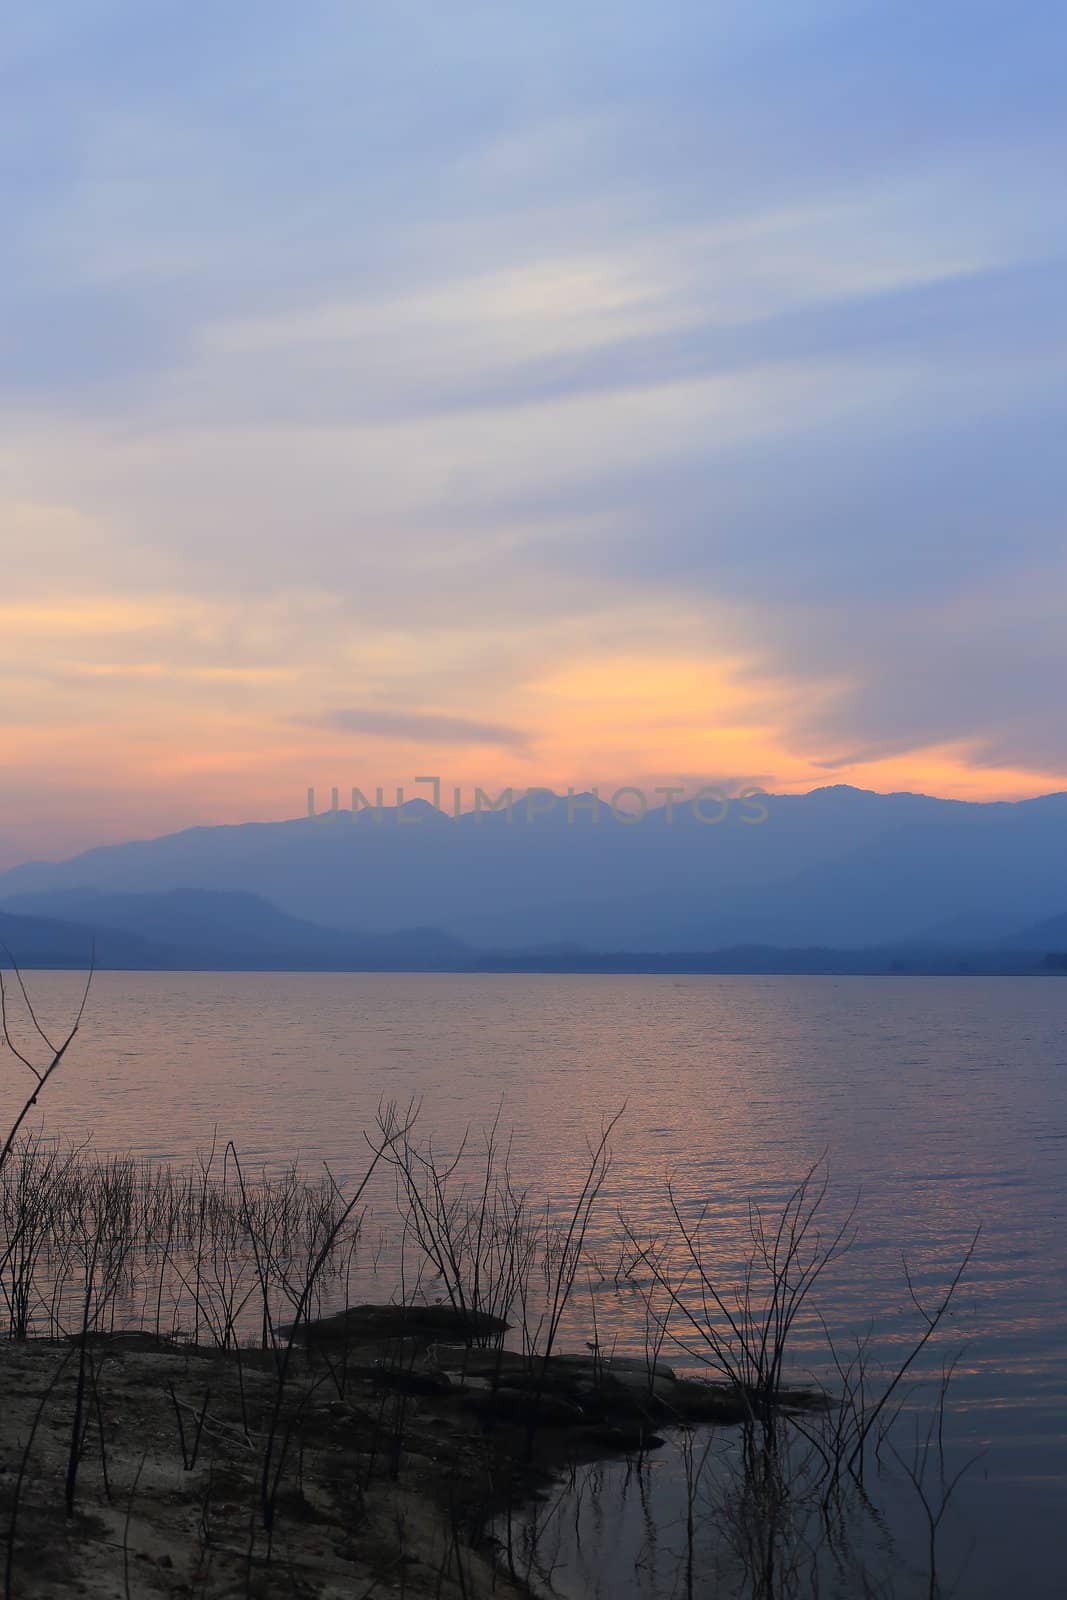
x,y
133,1467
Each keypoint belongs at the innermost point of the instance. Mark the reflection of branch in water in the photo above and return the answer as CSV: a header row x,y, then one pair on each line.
x,y
782,1511
866,1421
784,1543
934,1503
693,1472
748,1518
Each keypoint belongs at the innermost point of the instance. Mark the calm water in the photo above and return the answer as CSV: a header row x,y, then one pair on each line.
x,y
943,1101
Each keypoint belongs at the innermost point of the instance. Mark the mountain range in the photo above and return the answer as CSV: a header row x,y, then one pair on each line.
x,y
218,930
203,929
908,877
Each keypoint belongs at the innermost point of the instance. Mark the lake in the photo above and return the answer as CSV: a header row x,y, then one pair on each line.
x,y
941,1103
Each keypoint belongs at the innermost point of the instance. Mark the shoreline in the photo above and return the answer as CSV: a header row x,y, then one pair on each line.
x,y
192,1481
368,1458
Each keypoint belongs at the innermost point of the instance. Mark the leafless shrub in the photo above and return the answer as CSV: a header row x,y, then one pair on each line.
x,y
742,1330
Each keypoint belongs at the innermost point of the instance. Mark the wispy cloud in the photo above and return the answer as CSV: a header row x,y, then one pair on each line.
x,y
427,727
653,399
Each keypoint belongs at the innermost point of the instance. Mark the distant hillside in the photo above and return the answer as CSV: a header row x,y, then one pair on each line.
x,y
195,929
51,942
198,930
841,868
772,961
1050,934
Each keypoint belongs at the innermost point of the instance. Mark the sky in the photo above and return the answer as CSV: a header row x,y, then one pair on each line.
x,y
535,395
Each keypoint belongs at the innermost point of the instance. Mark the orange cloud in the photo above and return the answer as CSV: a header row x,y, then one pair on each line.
x,y
183,733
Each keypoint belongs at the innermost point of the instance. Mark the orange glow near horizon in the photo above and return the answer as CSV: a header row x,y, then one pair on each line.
x,y
139,747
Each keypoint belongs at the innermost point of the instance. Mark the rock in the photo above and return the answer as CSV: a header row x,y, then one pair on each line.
x,y
375,1322
620,1406
492,1365
518,1405
692,1400
404,1381
803,1400
634,1371
627,1441
344,1412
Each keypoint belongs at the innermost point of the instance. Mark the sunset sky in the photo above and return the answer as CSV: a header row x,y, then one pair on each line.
x,y
527,393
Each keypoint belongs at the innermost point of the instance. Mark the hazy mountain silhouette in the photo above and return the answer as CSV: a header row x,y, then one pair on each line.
x,y
838,867
52,942
198,928
1051,934
802,961
248,934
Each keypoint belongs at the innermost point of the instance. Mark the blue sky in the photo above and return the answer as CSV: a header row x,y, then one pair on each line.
x,y
560,394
